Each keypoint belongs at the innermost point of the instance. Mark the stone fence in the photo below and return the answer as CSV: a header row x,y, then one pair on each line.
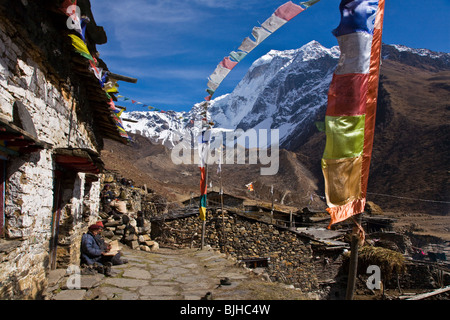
x,y
289,256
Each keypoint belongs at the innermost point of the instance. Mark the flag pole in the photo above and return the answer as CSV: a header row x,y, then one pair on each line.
x,y
204,221
221,208
353,263
206,176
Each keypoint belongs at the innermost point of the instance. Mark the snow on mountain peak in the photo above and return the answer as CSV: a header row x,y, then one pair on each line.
x,y
420,52
314,50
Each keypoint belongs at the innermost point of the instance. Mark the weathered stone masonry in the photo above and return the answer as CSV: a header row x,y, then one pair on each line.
x,y
291,256
45,205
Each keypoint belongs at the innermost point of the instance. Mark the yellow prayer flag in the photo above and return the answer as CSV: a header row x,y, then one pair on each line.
x,y
80,46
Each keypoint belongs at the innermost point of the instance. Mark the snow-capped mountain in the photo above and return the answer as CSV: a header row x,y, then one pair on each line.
x,y
281,90
284,90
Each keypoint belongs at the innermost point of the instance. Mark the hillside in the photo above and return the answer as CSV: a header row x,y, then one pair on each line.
x,y
412,140
147,163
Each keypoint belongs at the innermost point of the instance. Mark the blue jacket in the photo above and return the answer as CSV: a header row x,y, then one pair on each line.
x,y
90,249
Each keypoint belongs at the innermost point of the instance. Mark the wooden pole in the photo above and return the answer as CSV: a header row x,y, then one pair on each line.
x,y
203,234
223,215
353,264
206,167
122,78
429,294
204,221
290,219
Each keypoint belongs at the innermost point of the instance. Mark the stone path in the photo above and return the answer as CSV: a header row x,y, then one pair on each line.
x,y
181,274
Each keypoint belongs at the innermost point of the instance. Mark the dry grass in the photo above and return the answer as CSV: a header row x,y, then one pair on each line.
x,y
389,261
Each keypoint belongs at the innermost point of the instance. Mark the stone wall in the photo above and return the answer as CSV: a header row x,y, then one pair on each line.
x,y
49,102
53,109
291,257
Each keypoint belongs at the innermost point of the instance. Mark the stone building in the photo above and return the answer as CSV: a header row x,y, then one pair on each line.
x,y
54,115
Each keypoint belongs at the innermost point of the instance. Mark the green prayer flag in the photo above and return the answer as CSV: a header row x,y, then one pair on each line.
x,y
345,136
238,56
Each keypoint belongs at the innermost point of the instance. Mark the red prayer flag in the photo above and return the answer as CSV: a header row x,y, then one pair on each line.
x,y
228,64
66,4
288,11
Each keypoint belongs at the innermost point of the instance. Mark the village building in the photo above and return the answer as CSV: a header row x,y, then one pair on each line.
x,y
54,115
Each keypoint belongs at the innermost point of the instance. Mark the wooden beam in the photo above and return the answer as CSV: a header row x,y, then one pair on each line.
x,y
122,78
129,120
430,294
71,160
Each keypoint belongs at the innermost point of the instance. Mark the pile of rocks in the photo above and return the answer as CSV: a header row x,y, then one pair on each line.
x,y
127,232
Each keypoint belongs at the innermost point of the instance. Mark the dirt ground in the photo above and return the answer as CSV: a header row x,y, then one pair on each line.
x,y
422,224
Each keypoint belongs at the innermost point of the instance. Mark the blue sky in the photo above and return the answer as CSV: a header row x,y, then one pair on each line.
x,y
172,46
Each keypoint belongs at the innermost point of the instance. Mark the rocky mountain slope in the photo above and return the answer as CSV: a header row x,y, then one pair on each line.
x,y
148,163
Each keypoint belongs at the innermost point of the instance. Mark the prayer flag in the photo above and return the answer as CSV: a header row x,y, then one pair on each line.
x,y
203,148
66,4
219,74
273,23
351,110
247,45
309,3
260,34
288,11
228,64
238,56
80,46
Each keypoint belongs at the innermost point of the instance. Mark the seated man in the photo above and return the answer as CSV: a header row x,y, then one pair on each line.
x,y
106,247
94,251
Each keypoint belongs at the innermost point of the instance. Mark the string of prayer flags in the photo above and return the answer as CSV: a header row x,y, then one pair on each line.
x,y
151,108
75,21
78,23
351,110
117,112
280,17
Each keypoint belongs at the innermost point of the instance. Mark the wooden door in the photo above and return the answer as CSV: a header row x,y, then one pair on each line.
x,y
55,219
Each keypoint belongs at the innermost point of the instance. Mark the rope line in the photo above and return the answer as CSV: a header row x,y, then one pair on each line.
x,y
415,199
